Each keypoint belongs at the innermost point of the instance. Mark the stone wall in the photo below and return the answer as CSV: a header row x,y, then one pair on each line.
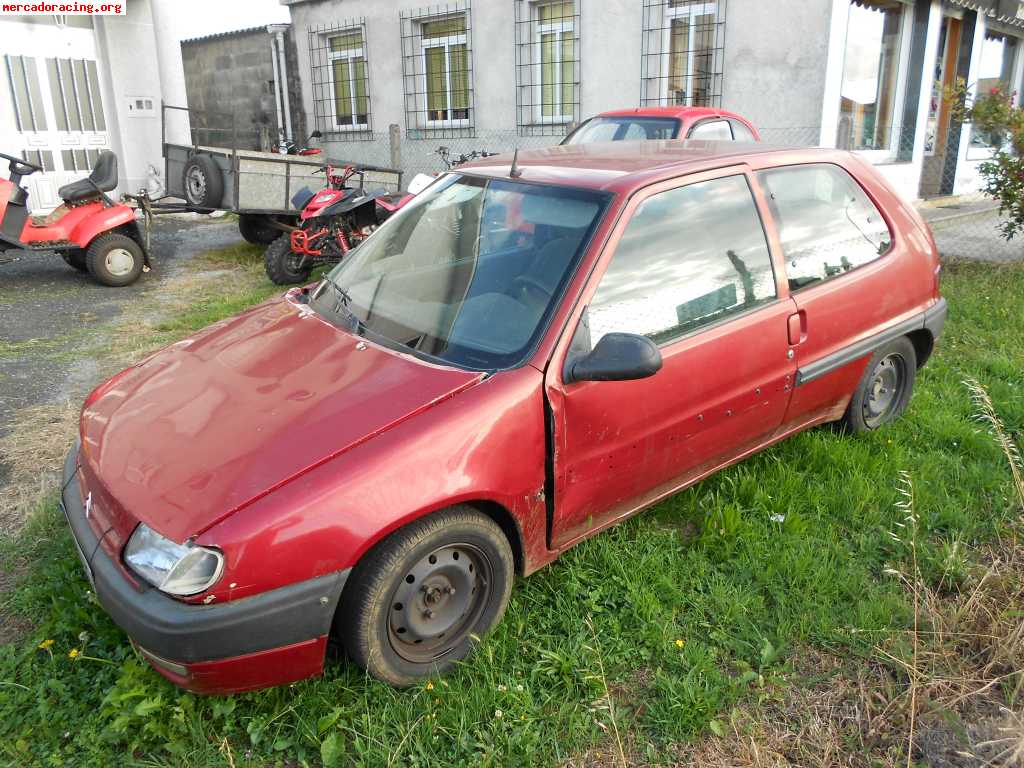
x,y
229,79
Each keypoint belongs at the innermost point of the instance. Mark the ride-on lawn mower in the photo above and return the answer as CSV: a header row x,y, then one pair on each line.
x,y
89,230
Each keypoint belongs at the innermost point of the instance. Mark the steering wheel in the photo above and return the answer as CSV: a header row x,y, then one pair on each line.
x,y
16,163
527,285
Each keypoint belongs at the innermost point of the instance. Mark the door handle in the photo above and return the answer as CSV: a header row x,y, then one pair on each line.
x,y
797,327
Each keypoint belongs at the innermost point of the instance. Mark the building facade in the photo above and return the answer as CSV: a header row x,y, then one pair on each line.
x,y
74,86
387,83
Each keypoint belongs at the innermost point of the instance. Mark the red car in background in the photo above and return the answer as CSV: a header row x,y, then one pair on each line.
x,y
652,123
530,351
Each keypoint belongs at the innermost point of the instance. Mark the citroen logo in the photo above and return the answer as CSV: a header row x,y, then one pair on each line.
x,y
88,505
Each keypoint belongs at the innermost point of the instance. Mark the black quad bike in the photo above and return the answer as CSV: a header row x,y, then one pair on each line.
x,y
332,222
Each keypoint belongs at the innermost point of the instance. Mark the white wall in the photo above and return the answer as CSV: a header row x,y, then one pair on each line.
x,y
127,50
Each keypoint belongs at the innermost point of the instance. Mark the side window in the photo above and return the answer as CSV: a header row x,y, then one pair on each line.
x,y
635,132
827,224
715,130
741,132
688,258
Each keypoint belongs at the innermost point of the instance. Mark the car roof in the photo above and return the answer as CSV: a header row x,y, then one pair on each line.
x,y
683,113
622,166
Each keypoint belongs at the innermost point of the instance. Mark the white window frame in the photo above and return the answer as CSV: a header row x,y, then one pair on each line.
x,y
884,156
351,54
559,29
672,13
444,42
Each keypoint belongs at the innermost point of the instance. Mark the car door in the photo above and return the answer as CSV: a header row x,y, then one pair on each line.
x,y
845,273
689,267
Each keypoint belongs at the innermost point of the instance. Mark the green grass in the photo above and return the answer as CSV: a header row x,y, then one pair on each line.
x,y
707,567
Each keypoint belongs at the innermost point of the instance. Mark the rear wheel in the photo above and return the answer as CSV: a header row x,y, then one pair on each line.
x,y
885,389
283,266
114,260
257,229
419,601
76,259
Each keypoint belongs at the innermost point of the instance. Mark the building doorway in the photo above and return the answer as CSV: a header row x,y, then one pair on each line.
x,y
937,135
51,109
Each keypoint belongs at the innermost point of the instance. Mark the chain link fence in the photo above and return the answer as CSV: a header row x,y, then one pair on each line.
x,y
966,222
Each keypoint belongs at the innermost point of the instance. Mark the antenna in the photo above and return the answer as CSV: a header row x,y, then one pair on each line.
x,y
514,172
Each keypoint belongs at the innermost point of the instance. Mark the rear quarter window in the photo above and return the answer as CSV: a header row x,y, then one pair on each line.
x,y
715,130
827,223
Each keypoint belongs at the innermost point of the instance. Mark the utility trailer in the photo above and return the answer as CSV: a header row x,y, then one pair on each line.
x,y
258,186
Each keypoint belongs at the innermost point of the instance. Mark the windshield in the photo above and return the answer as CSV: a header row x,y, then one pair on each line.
x,y
467,273
626,128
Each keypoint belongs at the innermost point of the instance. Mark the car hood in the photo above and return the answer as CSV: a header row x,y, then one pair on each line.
x,y
213,422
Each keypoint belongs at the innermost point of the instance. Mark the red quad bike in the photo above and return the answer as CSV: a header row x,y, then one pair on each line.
x,y
332,222
90,231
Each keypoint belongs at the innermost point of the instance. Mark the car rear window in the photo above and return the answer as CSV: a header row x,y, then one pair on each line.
x,y
626,128
689,257
827,223
717,130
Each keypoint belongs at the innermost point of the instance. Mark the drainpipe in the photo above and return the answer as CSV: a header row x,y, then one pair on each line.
x,y
281,73
281,145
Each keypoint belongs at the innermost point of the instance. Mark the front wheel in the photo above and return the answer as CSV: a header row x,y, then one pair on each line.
x,y
284,266
114,260
417,603
885,389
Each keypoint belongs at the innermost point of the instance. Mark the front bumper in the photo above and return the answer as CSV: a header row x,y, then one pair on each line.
x,y
268,639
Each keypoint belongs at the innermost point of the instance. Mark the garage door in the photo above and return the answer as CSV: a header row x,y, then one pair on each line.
x,y
51,107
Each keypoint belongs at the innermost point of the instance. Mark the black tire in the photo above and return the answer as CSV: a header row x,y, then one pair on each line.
x,y
106,260
76,259
257,229
383,620
282,265
885,388
202,182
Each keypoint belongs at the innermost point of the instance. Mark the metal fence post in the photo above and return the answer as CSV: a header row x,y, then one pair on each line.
x,y
395,145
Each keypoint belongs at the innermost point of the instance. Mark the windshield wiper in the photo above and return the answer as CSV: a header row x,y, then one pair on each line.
x,y
341,304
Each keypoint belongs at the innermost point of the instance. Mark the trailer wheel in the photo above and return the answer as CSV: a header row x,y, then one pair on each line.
x,y
75,258
203,182
115,260
282,265
257,229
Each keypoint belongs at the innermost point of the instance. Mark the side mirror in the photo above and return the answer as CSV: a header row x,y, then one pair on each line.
x,y
616,357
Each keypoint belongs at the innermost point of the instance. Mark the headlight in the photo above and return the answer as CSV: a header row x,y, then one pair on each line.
x,y
177,569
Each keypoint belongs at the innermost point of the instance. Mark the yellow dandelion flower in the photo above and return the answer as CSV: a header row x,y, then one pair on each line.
x,y
680,643
430,686
73,653
46,644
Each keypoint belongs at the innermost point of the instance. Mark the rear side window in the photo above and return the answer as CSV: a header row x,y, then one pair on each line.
x,y
827,224
689,257
741,133
717,130
624,128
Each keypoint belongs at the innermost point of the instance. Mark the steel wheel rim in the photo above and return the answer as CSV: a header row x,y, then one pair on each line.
x,y
119,262
438,602
885,389
196,183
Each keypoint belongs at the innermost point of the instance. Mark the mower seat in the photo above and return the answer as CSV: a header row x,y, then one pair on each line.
x,y
102,179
